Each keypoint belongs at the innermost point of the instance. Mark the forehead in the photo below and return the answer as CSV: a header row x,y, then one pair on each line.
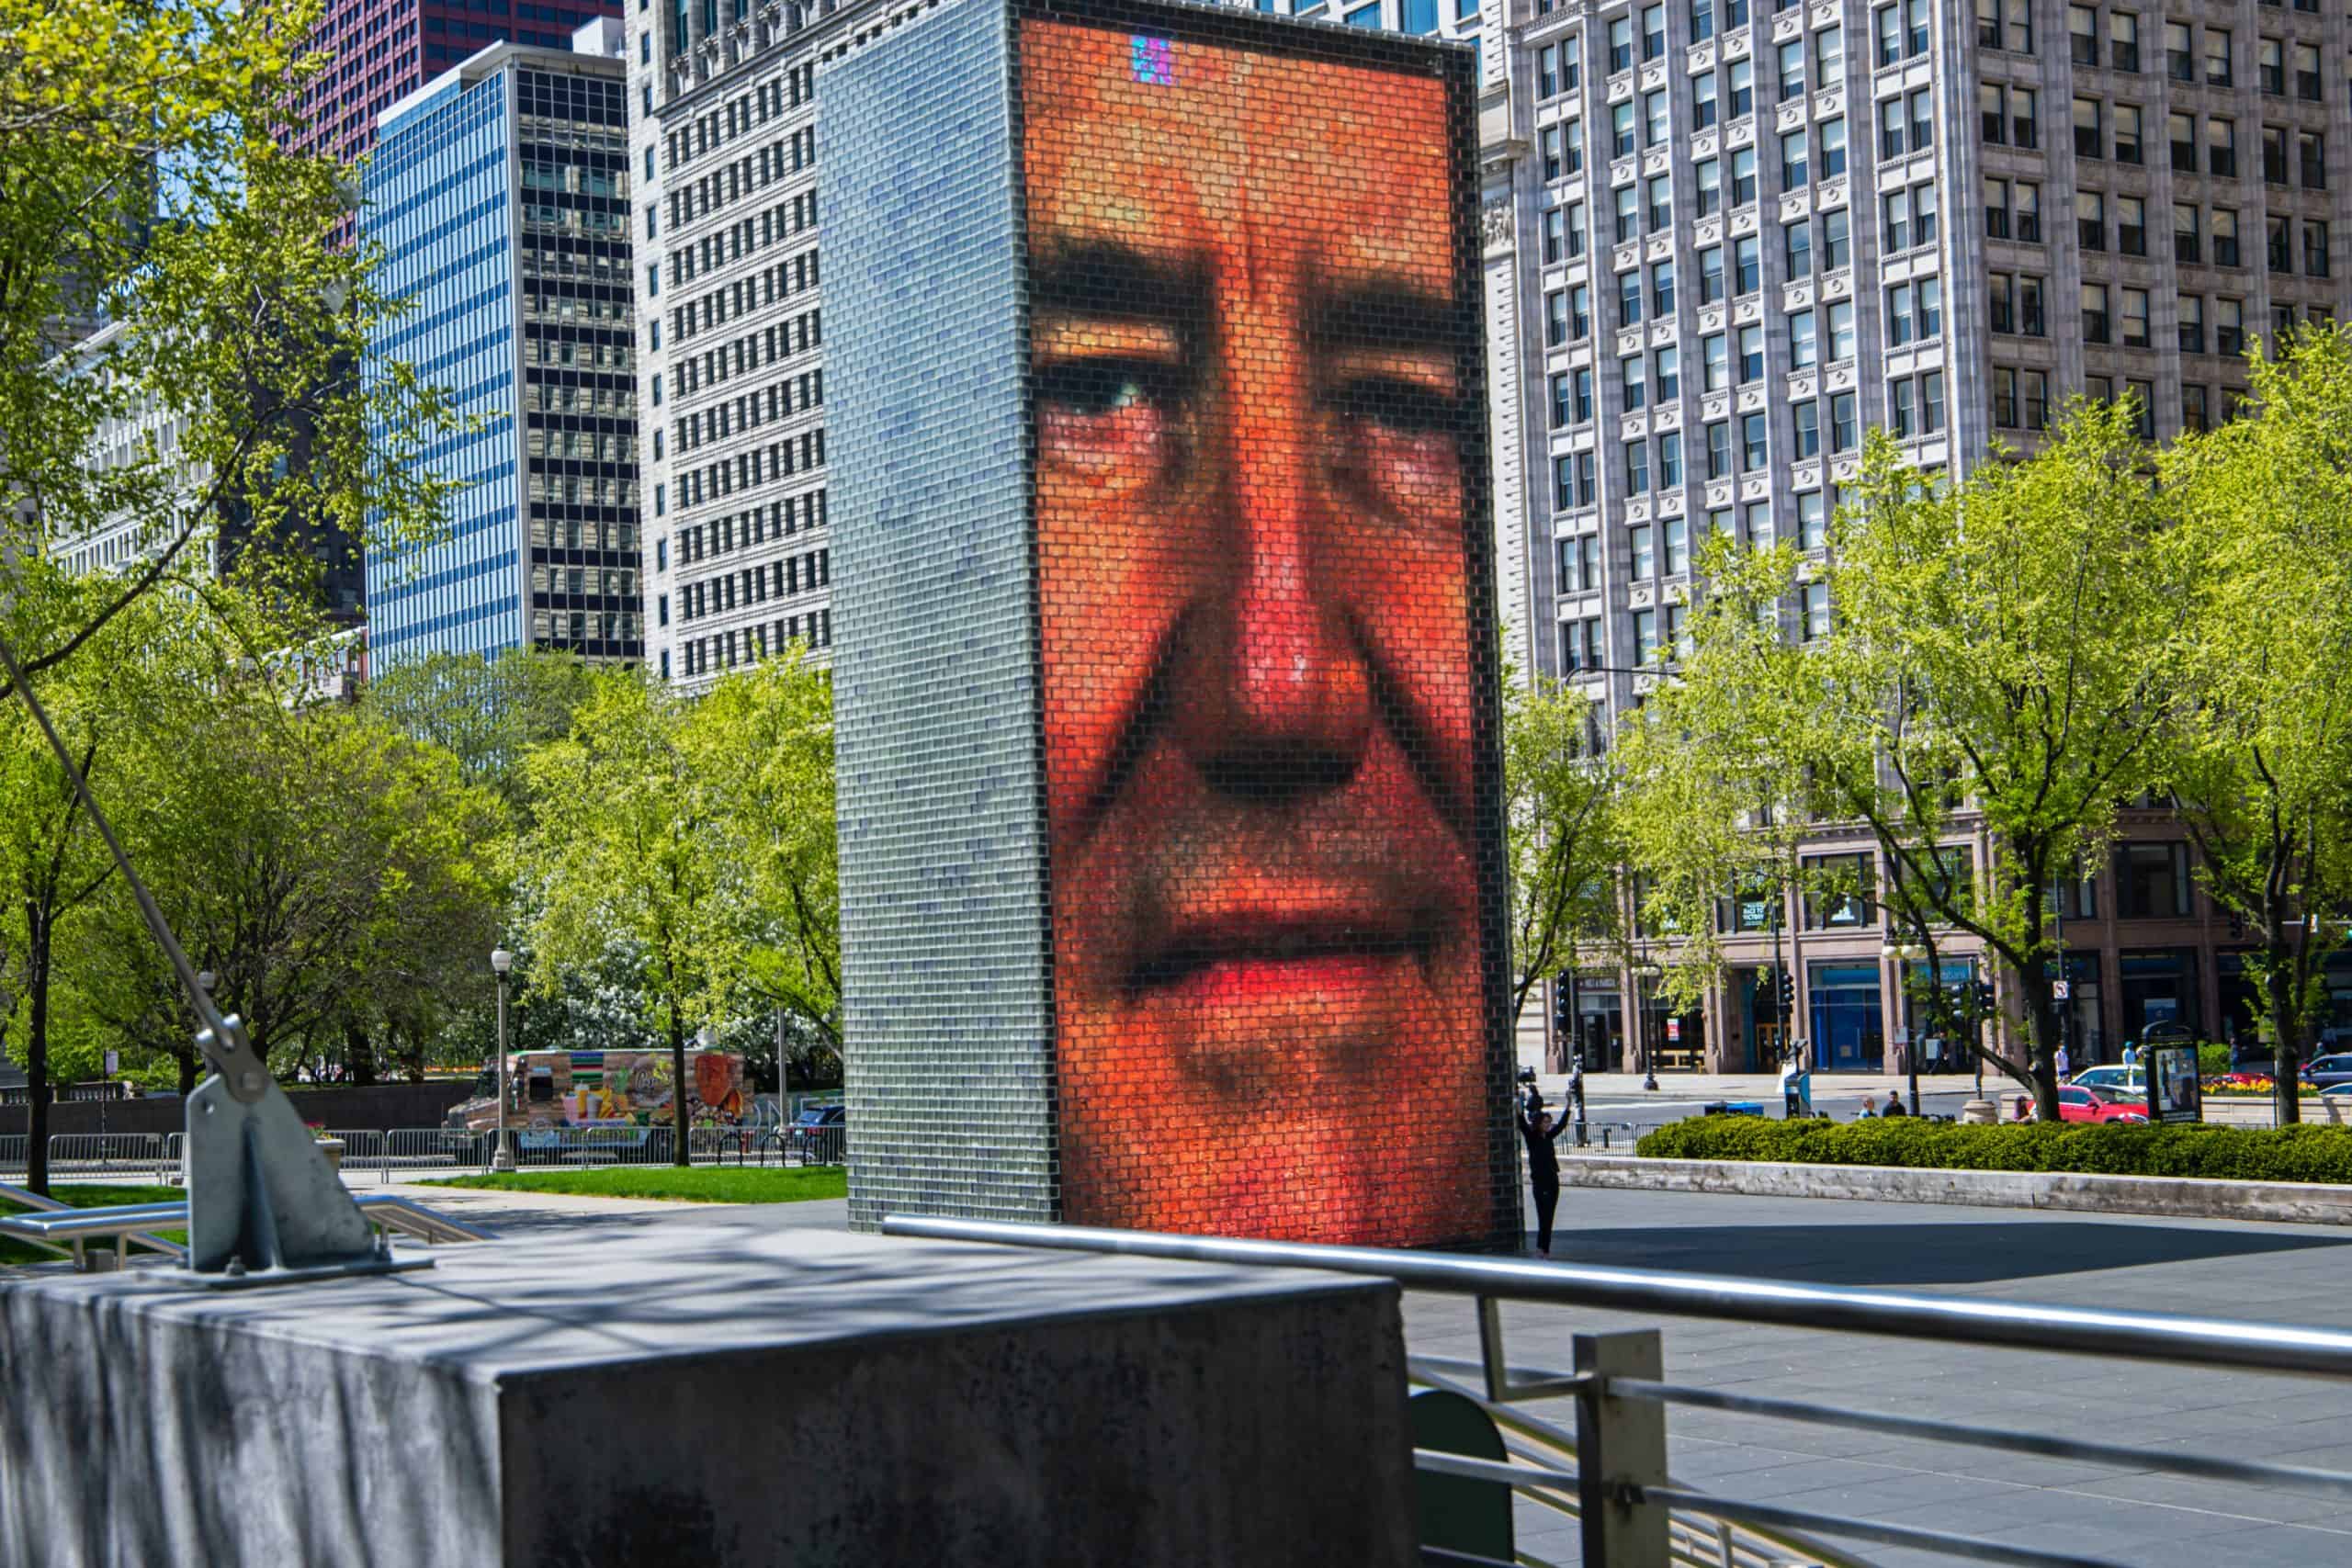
x,y
1175,147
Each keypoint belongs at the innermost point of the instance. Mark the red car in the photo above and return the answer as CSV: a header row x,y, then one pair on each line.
x,y
2076,1104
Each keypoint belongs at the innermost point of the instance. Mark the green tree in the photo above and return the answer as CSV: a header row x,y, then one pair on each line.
x,y
487,713
147,186
622,847
760,743
1719,798
2006,646
1560,831
321,864
2263,745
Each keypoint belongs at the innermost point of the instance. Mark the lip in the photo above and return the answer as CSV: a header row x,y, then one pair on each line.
x,y
1303,936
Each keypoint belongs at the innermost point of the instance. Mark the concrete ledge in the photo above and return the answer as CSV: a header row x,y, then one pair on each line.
x,y
700,1394
2179,1197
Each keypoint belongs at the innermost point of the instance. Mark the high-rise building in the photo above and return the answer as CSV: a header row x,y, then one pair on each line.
x,y
738,559
380,50
1735,236
500,195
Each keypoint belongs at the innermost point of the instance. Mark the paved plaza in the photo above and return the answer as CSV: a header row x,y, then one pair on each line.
x,y
2290,1274
2282,1273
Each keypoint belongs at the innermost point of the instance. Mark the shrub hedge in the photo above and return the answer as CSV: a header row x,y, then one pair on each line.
x,y
2320,1154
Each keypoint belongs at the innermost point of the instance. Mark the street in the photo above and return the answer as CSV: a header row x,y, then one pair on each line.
x,y
2284,1273
1617,1109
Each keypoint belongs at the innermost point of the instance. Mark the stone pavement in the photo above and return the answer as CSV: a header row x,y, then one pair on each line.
x,y
528,1213
2282,1273
2287,1274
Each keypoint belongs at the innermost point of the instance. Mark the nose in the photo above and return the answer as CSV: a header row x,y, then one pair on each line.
x,y
1278,699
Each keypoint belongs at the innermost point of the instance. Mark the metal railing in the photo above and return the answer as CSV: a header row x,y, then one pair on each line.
x,y
405,1153
1610,1471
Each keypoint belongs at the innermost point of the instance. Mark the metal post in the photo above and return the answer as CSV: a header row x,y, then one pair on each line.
x,y
503,1158
1621,1451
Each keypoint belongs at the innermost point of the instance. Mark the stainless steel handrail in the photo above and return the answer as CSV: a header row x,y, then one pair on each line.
x,y
2221,1342
1442,1464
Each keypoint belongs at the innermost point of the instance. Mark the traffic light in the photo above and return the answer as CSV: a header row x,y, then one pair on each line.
x,y
1984,998
1784,987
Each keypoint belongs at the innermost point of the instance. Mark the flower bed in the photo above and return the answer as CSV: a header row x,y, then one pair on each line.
x,y
2320,1154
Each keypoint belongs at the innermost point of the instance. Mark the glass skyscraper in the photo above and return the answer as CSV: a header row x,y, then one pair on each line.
x,y
500,193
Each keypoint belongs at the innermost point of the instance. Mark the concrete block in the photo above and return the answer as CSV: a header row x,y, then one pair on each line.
x,y
708,1393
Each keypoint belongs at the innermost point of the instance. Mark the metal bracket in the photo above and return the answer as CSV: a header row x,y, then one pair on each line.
x,y
264,1205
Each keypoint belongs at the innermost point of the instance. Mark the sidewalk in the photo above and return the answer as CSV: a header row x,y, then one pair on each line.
x,y
1741,1086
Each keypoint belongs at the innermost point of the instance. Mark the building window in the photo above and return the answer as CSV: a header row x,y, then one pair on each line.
x,y
2152,882
1812,528
1837,240
1812,600
2094,317
1806,417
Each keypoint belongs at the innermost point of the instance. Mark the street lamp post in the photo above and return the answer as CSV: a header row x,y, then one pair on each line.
x,y
503,1158
1902,954
1641,971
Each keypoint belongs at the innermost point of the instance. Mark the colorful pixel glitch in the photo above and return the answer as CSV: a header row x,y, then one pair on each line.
x,y
1166,628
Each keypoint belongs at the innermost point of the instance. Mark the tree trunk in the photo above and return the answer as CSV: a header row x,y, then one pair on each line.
x,y
2042,1026
358,1053
679,1152
2286,1044
37,1060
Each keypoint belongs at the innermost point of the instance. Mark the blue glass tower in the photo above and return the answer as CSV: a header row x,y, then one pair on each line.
x,y
500,194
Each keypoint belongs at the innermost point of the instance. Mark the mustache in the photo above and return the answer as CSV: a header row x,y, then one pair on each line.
x,y
1265,776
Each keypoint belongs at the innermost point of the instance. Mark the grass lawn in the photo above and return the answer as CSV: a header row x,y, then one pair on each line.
x,y
695,1184
89,1198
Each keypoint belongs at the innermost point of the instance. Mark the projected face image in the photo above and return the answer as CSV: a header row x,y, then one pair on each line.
x,y
1248,342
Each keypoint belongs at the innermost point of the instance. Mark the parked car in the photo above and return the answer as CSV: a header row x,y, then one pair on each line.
x,y
2325,1072
817,1134
2114,1079
2336,1092
2076,1104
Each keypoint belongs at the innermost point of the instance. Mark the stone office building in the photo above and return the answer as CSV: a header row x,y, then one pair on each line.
x,y
1734,234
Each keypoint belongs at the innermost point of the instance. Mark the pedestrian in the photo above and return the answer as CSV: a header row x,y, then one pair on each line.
x,y
1537,1130
1869,1112
2131,1054
2025,1108
2061,1063
1893,1104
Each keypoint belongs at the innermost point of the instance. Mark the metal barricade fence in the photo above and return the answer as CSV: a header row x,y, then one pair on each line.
x,y
427,1151
592,1145
84,1155
14,1147
363,1149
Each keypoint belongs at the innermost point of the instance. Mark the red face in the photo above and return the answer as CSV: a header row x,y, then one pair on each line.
x,y
1247,340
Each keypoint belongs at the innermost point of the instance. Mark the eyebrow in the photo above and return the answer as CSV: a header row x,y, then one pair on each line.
x,y
1107,281
1387,315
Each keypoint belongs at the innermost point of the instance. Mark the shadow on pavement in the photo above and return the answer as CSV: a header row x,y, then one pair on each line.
x,y
1932,1253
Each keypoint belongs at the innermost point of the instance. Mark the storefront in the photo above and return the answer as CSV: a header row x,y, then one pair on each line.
x,y
1848,1029
1587,1012
1760,1032
2082,1014
2159,986
1926,1020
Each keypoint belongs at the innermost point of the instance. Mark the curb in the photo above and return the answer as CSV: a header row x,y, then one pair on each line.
x,y
2173,1197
